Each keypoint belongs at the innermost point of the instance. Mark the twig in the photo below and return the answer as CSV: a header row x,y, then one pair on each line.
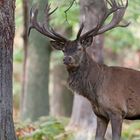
x,y
68,9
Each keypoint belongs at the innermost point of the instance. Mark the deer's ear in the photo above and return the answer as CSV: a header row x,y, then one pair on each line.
x,y
57,45
86,42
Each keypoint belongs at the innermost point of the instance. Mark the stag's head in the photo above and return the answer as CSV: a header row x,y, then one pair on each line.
x,y
74,50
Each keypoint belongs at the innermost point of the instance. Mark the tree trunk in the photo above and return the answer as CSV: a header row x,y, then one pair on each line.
x,y
25,4
36,97
82,115
7,30
61,98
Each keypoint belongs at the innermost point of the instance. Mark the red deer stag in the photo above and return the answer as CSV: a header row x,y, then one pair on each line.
x,y
114,92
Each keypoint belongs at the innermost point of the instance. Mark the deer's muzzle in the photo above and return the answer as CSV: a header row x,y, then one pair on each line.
x,y
68,60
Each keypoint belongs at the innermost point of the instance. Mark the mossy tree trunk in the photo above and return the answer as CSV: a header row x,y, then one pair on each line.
x,y
25,6
7,31
36,97
82,114
61,98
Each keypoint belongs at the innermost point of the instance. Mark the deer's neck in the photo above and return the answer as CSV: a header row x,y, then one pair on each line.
x,y
85,79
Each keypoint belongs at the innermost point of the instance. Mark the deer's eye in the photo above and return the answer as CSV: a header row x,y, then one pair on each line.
x,y
63,50
79,49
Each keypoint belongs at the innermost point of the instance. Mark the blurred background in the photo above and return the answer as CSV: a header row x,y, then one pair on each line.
x,y
44,107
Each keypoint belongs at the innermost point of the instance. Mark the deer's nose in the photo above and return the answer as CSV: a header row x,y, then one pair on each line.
x,y
67,60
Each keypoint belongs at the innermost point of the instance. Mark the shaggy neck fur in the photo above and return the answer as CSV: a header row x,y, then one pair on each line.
x,y
86,78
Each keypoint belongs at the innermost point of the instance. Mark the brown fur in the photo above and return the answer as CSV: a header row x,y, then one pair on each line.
x,y
114,92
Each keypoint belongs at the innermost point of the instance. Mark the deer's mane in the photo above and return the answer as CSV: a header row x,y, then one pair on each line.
x,y
81,80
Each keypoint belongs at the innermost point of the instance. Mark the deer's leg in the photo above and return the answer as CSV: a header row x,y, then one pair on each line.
x,y
101,128
116,123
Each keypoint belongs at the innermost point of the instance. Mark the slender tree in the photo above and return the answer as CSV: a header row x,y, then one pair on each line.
x,y
36,97
25,4
7,31
90,11
61,99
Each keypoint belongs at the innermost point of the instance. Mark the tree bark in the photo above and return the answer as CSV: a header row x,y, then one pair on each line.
x,y
82,115
25,4
7,32
61,98
36,97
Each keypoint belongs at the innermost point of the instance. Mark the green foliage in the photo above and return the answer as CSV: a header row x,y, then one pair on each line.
x,y
116,39
129,37
44,129
19,18
131,131
70,18
18,55
48,128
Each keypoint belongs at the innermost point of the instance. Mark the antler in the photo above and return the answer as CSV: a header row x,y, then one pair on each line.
x,y
118,10
43,28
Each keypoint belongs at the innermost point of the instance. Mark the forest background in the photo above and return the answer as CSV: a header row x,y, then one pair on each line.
x,y
40,91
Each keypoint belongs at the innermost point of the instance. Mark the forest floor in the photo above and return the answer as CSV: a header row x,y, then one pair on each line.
x,y
48,128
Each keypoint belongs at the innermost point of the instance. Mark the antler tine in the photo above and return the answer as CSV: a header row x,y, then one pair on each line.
x,y
107,1
35,24
47,14
108,12
118,10
92,32
57,34
80,31
42,28
52,10
51,30
33,18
